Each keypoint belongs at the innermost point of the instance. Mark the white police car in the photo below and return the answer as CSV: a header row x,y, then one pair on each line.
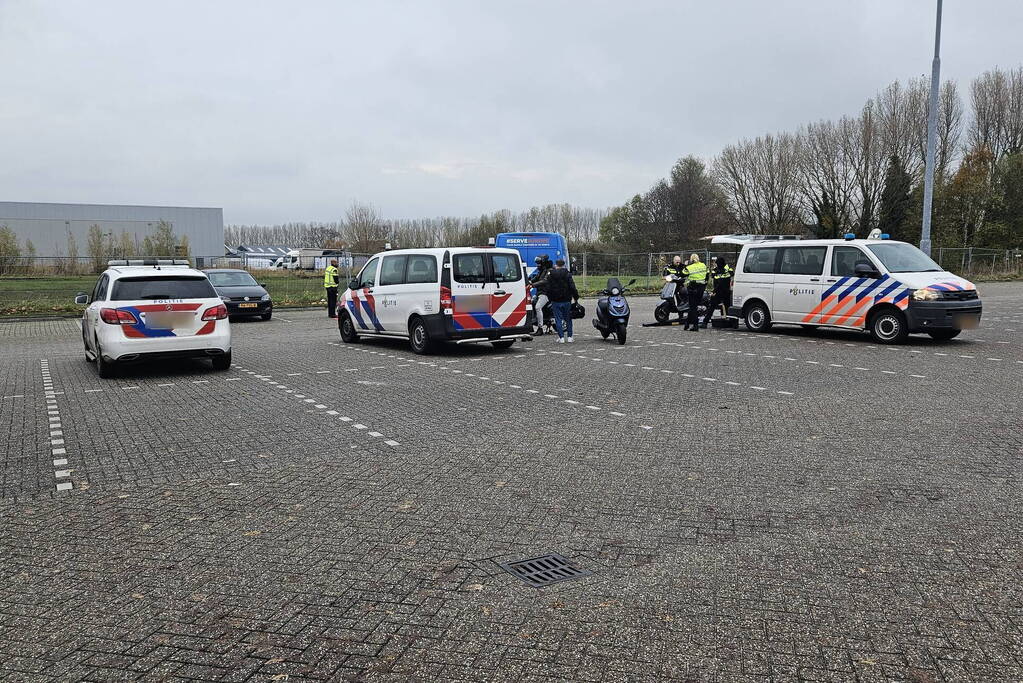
x,y
890,289
153,308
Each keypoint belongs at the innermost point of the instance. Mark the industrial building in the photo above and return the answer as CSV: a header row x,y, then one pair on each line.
x,y
48,225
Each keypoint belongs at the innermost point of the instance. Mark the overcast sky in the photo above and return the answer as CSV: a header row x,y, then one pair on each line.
x,y
289,111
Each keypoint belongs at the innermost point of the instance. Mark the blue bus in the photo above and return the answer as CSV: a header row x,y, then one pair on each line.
x,y
533,244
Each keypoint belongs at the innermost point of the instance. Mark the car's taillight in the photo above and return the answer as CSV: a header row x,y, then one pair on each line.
x,y
215,313
445,299
115,316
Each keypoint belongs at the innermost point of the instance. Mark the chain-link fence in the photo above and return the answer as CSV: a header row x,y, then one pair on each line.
x,y
48,285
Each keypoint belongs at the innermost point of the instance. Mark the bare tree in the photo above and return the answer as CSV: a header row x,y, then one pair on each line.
x,y
759,179
864,146
827,176
363,230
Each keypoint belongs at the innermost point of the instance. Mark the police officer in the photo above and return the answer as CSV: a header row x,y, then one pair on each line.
x,y
696,282
330,282
673,273
721,279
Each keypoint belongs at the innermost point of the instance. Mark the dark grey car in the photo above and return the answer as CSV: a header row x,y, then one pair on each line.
x,y
241,293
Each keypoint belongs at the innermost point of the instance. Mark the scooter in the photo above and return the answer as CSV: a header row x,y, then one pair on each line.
x,y
670,303
613,310
545,326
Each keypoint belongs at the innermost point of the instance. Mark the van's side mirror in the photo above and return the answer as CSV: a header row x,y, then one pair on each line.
x,y
81,298
263,285
354,283
866,270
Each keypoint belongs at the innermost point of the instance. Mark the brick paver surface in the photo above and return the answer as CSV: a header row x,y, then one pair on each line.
x,y
786,506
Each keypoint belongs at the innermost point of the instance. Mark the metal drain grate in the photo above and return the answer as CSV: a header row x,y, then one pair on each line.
x,y
544,570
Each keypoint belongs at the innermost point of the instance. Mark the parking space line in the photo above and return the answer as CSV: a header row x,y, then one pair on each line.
x,y
57,443
322,406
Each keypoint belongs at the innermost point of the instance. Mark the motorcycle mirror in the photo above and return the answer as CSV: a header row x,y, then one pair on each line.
x,y
631,282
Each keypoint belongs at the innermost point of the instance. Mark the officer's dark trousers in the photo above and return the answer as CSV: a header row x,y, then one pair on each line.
x,y
722,296
695,297
332,301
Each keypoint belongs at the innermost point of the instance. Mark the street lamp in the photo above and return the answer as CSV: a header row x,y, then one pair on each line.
x,y
932,125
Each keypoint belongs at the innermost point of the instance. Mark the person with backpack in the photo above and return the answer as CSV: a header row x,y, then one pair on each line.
x,y
561,289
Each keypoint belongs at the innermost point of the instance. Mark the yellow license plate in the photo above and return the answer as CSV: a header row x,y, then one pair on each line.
x,y
247,305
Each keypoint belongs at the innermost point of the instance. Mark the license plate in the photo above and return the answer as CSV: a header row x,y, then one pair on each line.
x,y
967,322
168,321
247,305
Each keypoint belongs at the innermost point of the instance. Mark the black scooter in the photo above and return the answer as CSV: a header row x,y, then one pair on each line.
x,y
674,299
545,326
613,310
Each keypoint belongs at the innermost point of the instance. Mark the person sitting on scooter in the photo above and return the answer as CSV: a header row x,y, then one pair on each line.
x,y
543,265
721,279
673,272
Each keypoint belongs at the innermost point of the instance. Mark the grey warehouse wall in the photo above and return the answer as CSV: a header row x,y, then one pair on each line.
x,y
47,225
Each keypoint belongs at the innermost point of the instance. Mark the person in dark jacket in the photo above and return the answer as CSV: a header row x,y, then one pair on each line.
x,y
721,278
561,289
543,266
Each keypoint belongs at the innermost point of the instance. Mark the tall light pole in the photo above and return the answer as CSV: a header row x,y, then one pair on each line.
x,y
932,125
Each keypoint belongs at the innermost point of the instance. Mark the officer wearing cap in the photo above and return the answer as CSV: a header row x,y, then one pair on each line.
x,y
330,282
695,274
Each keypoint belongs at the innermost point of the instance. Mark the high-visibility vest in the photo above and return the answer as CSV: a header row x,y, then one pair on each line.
x,y
330,277
672,269
725,274
696,273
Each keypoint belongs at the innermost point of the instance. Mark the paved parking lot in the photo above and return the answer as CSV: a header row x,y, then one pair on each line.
x,y
784,506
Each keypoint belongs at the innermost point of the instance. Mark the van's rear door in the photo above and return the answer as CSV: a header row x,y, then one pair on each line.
x,y
470,291
509,299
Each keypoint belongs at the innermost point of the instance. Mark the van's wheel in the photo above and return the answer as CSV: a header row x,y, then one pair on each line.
x,y
504,344
418,337
944,335
620,330
347,329
758,318
104,368
266,316
661,314
222,362
888,327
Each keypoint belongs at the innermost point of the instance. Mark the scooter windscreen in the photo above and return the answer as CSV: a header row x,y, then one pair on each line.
x,y
668,290
614,284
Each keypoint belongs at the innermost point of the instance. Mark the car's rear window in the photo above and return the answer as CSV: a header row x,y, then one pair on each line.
x,y
162,287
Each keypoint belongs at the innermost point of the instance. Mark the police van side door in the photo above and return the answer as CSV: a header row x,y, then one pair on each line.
x,y
391,302
798,282
847,298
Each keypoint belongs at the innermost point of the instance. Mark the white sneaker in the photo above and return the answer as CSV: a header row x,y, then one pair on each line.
x,y
569,340
561,340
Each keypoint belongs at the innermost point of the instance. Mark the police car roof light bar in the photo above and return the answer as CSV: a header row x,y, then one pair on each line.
x,y
850,235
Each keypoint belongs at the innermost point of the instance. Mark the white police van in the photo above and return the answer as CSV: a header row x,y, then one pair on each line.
x,y
888,288
153,308
458,294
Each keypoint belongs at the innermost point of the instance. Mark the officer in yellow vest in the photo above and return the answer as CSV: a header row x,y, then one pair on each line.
x,y
721,279
330,282
695,274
